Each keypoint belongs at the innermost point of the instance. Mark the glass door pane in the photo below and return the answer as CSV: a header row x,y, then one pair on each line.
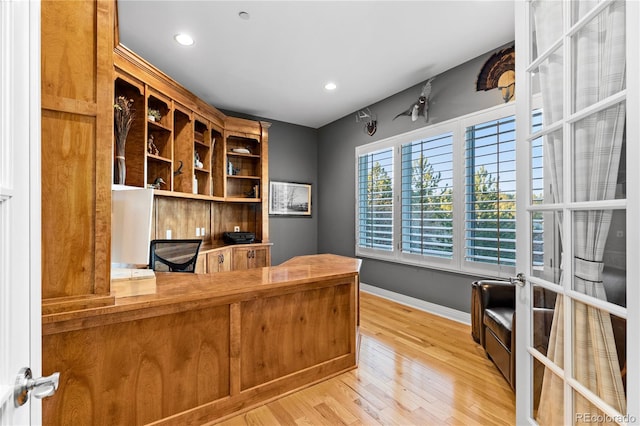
x,y
576,245
599,56
599,356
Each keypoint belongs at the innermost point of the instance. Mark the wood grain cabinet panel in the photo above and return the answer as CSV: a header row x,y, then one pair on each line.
x,y
249,257
219,260
69,36
77,122
202,266
138,371
281,335
68,204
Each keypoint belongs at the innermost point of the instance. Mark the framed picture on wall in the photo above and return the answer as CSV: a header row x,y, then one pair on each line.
x,y
289,199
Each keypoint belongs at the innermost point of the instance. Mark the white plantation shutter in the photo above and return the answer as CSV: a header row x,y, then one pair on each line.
x,y
490,207
375,200
427,196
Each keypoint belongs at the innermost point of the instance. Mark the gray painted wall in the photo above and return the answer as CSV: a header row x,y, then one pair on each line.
x,y
293,157
453,95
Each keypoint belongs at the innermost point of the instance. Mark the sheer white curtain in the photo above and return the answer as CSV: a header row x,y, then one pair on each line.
x,y
548,17
598,72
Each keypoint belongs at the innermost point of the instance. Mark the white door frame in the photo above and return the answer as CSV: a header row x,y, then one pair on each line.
x,y
523,229
524,401
20,223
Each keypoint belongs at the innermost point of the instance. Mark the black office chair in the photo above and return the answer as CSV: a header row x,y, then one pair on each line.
x,y
174,255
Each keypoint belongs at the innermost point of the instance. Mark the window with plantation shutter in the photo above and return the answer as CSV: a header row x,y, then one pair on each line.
x,y
375,200
444,196
490,192
427,197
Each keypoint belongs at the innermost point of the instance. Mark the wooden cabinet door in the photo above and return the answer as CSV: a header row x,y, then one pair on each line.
x,y
225,263
260,257
241,257
250,257
219,260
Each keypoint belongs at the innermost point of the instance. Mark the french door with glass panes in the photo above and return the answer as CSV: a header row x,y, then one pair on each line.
x,y
578,209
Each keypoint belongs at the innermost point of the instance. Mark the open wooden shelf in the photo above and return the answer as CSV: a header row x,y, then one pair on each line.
x,y
194,145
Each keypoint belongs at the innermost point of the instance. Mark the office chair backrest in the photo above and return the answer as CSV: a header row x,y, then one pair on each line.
x,y
174,255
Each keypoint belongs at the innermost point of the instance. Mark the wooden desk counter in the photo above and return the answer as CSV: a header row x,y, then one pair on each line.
x,y
203,346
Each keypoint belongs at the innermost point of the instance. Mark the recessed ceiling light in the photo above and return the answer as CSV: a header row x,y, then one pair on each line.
x,y
184,39
330,86
244,15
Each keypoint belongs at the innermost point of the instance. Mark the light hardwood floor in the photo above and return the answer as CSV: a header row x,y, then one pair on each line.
x,y
414,369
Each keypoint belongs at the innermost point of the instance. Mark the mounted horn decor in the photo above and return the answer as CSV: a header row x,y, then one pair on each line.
x,y
499,72
371,122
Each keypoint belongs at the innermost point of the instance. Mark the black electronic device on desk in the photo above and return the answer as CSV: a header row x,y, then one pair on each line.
x,y
239,237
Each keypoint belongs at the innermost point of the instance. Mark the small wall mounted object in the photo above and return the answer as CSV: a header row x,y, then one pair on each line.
x,y
289,199
499,72
421,106
370,119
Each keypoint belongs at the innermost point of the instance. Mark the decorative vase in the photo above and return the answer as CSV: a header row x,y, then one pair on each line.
x,y
123,117
120,171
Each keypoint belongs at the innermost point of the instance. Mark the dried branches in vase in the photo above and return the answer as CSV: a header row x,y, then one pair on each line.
x,y
123,115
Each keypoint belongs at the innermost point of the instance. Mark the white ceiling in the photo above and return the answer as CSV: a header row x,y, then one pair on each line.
x,y
275,64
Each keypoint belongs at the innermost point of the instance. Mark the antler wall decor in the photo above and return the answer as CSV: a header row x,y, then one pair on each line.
x,y
371,122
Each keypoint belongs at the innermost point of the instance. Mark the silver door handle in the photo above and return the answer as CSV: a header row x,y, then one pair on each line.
x,y
518,279
41,387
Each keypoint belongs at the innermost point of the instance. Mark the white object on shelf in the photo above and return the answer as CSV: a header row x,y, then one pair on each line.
x,y
132,282
241,151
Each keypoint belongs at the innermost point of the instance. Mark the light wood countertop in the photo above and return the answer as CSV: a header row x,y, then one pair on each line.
x,y
177,292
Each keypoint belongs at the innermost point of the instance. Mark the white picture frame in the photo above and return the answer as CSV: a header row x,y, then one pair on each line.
x,y
289,199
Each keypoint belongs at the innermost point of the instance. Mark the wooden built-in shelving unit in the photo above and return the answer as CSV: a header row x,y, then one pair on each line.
x,y
198,153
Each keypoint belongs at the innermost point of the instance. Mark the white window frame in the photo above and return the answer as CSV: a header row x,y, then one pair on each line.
x,y
457,128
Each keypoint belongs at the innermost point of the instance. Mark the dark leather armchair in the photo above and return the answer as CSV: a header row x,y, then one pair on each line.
x,y
494,317
493,320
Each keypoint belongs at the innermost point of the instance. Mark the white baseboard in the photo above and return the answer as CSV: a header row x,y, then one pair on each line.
x,y
432,308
